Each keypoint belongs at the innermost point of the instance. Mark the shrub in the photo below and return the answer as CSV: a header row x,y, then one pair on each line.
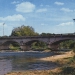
x,y
68,70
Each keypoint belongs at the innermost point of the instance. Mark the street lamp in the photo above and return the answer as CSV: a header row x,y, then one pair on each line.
x,y
3,28
74,20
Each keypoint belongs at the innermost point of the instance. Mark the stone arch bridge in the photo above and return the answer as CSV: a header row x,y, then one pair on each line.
x,y
25,42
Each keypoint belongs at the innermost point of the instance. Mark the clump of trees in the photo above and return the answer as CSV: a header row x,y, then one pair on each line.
x,y
24,31
69,44
46,34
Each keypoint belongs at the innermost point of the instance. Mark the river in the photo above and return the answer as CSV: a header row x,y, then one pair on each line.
x,y
21,61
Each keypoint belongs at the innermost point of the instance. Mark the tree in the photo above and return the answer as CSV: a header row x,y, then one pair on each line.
x,y
67,44
45,34
24,31
39,45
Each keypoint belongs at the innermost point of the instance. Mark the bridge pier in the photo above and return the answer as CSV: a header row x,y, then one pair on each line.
x,y
25,47
4,47
54,47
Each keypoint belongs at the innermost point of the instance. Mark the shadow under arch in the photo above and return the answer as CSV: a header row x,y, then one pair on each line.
x,y
63,43
30,42
37,43
7,45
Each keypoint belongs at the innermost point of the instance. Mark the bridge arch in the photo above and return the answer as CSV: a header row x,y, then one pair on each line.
x,y
59,41
37,43
31,41
56,44
6,44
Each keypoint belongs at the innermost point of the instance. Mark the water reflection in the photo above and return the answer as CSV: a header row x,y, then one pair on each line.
x,y
32,64
5,66
21,61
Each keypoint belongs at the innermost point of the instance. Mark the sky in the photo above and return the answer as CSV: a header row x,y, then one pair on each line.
x,y
45,16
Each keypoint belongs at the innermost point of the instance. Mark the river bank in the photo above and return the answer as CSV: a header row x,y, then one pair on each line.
x,y
58,57
45,72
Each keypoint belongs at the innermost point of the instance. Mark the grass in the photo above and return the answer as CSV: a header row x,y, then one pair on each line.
x,y
68,67
68,70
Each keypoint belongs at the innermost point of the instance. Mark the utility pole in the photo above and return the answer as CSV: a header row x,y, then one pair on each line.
x,y
3,28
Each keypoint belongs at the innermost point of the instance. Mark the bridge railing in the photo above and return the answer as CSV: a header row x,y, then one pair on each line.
x,y
40,36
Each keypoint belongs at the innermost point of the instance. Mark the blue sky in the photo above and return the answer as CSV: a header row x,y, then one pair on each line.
x,y
49,16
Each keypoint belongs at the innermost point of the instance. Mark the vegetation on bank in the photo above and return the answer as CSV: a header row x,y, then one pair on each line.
x,y
69,44
68,65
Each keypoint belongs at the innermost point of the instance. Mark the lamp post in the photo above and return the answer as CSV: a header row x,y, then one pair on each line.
x,y
74,20
3,28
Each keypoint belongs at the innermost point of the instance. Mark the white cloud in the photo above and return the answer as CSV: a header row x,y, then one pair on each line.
x,y
25,7
66,10
59,3
13,18
42,10
66,24
15,2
